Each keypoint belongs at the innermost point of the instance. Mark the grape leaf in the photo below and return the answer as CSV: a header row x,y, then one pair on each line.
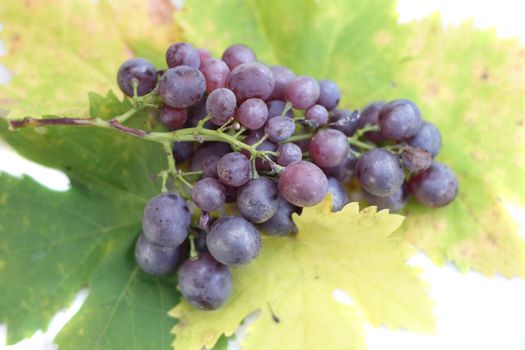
x,y
468,82
292,280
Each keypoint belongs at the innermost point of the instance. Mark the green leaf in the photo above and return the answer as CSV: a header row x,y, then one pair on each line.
x,y
467,82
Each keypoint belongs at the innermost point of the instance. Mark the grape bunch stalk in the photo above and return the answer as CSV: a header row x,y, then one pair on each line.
x,y
248,146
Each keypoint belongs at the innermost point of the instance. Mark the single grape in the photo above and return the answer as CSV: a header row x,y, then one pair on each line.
x,y
303,92
157,260
266,145
415,160
205,159
395,202
182,54
233,169
198,112
276,108
204,282
329,94
238,54
216,73
435,187
282,76
252,113
233,241
399,119
208,194
339,196
279,129
380,172
166,220
182,86
427,138
281,223
288,153
345,171
139,70
251,80
199,239
370,116
204,54
257,201
303,184
182,151
221,105
328,148
344,121
317,115
173,118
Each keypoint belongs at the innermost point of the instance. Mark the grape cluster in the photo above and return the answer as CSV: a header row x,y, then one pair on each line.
x,y
279,143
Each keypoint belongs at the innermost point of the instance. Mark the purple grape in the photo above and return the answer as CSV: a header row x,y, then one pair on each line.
x,y
208,194
345,171
435,187
173,118
257,201
279,129
182,151
344,121
317,115
156,260
199,239
303,92
329,94
266,145
206,158
427,138
251,80
197,113
253,113
276,108
370,116
281,223
303,184
182,86
204,54
216,73
182,54
204,282
415,160
395,202
166,220
399,119
140,70
282,77
380,172
233,241
288,153
234,169
221,105
339,196
231,193
328,148
238,54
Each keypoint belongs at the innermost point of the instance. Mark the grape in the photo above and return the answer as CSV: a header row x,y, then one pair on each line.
x,y
252,113
317,115
303,184
435,187
394,202
182,86
281,223
140,70
198,112
415,160
206,158
251,80
233,169
329,94
238,54
173,118
344,121
208,194
156,260
279,129
339,196
282,77
182,151
166,220
328,148
216,73
260,164
427,138
204,282
258,200
221,105
204,54
369,116
233,241
288,153
276,108
303,92
200,240
345,171
380,172
182,54
399,119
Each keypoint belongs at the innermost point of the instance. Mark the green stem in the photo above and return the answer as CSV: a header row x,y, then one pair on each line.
x,y
360,144
300,137
123,117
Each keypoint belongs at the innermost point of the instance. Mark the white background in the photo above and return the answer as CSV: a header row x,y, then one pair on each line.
x,y
472,311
